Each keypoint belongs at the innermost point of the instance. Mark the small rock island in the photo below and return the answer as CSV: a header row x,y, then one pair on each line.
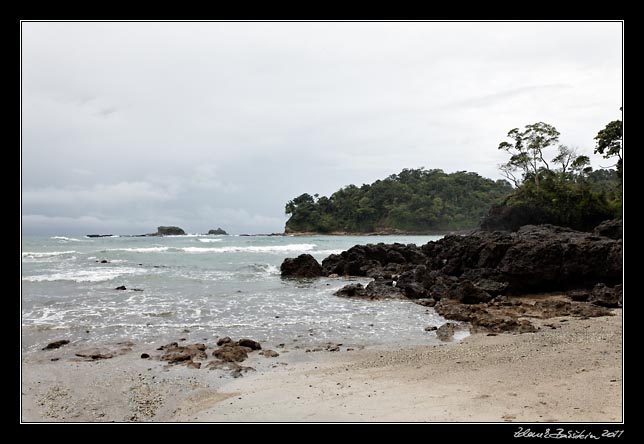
x,y
169,231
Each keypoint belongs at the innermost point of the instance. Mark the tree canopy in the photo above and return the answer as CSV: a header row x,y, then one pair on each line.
x,y
414,200
609,143
565,191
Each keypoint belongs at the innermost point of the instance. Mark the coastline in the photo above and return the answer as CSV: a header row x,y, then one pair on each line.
x,y
382,233
541,376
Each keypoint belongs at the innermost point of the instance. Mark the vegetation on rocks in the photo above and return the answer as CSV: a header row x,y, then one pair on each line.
x,y
415,200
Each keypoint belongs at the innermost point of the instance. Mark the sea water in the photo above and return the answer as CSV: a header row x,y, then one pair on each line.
x,y
199,286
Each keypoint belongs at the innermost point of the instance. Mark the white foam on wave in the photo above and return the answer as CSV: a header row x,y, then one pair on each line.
x,y
252,249
184,235
266,269
141,250
95,275
39,254
210,240
67,239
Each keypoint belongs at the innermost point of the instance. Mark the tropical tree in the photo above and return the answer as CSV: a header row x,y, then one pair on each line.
x,y
527,150
609,143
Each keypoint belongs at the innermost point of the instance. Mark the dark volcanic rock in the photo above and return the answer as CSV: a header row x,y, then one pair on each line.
x,y
610,228
217,231
122,287
475,277
377,289
304,265
606,296
383,289
169,231
466,293
223,341
56,344
482,317
231,353
546,257
351,291
175,354
372,259
253,345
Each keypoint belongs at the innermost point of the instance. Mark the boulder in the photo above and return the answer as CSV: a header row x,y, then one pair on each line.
x,y
352,290
225,340
253,345
304,265
610,228
56,344
231,353
606,296
218,231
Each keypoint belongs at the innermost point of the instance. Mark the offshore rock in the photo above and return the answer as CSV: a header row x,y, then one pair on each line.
x,y
304,266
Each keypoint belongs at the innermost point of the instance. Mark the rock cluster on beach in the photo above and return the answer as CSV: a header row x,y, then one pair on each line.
x,y
227,356
482,278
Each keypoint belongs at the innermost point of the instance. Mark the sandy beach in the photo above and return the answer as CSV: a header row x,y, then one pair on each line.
x,y
570,370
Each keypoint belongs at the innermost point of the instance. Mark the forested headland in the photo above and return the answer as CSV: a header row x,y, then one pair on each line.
x,y
412,201
547,183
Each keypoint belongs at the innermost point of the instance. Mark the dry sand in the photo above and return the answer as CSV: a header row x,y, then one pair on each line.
x,y
569,371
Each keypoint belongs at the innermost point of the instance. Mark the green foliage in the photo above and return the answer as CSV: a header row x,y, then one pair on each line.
x,y
568,194
415,200
609,143
527,150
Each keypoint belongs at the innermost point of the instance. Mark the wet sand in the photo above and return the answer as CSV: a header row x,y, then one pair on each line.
x,y
568,371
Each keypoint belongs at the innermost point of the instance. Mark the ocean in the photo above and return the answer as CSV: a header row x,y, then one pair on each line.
x,y
199,286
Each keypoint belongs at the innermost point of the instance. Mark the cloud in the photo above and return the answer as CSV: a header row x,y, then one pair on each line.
x,y
147,123
104,112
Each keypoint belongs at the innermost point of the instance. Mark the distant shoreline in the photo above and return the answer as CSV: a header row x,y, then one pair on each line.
x,y
383,233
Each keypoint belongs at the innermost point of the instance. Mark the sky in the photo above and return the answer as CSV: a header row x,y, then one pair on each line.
x,y
128,126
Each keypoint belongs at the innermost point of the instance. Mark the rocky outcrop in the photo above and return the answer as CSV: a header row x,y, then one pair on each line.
x,y
218,231
606,296
379,288
373,260
304,266
610,228
169,231
465,275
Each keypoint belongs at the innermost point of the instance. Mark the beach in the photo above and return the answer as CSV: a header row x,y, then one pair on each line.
x,y
570,370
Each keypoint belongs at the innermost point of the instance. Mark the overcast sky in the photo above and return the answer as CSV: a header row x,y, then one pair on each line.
x,y
127,126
